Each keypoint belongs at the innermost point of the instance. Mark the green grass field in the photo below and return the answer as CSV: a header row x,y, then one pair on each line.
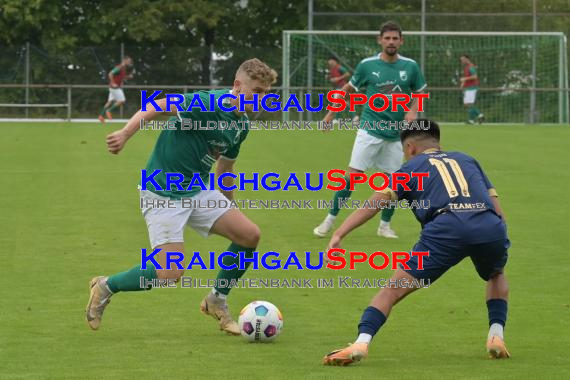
x,y
70,211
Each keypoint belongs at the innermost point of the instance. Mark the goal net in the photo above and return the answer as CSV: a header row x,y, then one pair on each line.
x,y
523,76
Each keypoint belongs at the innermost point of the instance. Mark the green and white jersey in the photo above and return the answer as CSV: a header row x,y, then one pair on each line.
x,y
191,150
379,77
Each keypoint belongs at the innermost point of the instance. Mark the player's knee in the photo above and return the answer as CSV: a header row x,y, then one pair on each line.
x,y
250,236
254,235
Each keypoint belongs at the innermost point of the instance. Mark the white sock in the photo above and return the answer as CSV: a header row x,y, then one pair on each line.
x,y
496,329
218,294
108,289
384,224
364,338
330,219
107,286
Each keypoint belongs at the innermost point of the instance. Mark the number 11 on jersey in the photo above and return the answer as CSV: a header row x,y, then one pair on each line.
x,y
446,176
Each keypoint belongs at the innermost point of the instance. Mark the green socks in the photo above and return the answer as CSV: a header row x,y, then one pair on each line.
x,y
473,113
135,278
341,194
130,281
113,107
236,273
387,214
345,193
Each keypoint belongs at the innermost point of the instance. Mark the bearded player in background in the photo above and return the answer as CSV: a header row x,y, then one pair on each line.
x,y
379,148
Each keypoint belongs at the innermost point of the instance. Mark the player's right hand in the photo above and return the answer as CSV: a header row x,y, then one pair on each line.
x,y
333,243
116,141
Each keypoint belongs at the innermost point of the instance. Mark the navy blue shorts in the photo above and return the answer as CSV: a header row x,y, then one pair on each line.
x,y
488,258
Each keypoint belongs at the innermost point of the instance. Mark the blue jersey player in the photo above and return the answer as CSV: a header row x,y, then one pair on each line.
x,y
464,219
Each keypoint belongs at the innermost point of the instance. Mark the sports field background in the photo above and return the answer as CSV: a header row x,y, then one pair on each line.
x,y
69,211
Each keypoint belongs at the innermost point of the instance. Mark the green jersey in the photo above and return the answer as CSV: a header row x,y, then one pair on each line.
x,y
379,77
189,150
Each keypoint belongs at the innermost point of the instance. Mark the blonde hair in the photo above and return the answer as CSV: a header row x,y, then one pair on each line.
x,y
257,70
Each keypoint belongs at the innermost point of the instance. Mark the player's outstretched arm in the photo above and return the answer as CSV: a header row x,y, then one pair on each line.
x,y
357,218
117,140
225,165
330,115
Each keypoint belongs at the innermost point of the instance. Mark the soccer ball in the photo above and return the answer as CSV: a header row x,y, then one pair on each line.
x,y
260,321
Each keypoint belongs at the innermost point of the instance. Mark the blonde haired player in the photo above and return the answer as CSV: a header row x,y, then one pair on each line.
x,y
191,152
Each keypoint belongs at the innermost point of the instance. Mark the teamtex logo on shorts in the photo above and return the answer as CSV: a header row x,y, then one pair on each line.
x,y
337,259
272,182
271,103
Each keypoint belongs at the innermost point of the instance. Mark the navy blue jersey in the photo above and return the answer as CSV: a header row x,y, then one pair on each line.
x,y
458,194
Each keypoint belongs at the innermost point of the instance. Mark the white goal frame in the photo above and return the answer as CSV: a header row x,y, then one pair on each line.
x,y
563,104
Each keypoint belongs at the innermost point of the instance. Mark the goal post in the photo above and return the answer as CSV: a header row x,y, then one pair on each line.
x,y
506,62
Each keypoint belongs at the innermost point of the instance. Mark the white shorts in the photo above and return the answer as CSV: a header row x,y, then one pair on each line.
x,y
166,225
371,152
469,96
116,94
